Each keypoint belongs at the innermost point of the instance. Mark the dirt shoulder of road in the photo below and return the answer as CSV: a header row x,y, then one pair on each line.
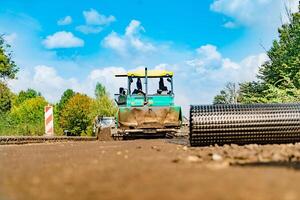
x,y
148,169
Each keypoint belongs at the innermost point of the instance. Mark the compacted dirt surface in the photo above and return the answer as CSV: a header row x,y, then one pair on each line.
x,y
148,169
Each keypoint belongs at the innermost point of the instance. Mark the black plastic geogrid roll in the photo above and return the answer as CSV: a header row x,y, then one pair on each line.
x,y
244,124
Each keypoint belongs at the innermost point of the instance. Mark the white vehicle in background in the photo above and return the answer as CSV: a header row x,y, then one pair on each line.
x,y
101,122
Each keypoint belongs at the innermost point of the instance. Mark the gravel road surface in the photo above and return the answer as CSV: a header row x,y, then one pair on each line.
x,y
148,169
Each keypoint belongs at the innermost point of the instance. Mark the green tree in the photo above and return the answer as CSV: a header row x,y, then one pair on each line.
x,y
228,95
283,69
58,109
67,95
8,68
100,91
25,95
252,92
76,115
104,107
5,98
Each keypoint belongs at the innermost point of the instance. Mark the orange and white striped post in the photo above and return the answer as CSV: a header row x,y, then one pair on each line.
x,y
49,125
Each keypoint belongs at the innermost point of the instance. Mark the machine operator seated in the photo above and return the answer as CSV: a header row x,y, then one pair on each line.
x,y
162,89
122,96
139,88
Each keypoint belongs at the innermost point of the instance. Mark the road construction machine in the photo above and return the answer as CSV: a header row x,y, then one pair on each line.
x,y
244,124
143,113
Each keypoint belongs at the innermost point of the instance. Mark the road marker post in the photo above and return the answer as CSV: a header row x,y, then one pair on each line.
x,y
49,125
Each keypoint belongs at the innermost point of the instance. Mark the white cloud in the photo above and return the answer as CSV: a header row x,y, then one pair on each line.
x,y
245,70
106,76
133,28
241,10
230,25
65,21
250,65
86,29
46,80
228,64
62,39
253,12
94,22
131,40
209,62
209,52
115,42
93,17
132,32
208,58
140,45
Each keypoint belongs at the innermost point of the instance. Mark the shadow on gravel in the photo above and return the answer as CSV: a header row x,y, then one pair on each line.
x,y
282,164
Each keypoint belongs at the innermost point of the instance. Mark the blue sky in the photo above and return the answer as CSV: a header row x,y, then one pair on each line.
x,y
67,44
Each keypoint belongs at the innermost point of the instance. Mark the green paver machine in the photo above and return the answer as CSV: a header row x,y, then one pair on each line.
x,y
145,114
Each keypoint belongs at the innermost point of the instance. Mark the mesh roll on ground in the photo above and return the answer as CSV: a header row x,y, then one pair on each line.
x,y
244,124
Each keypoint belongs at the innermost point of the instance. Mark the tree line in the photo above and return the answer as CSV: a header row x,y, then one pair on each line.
x,y
279,78
23,113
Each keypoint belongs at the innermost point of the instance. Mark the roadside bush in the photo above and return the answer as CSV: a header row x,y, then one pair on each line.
x,y
76,115
30,111
28,117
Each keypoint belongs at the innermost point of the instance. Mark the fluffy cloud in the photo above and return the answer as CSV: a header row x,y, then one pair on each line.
x,y
209,52
65,21
115,42
211,64
242,10
107,77
132,33
62,39
133,28
46,80
94,22
249,12
130,41
92,17
208,58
